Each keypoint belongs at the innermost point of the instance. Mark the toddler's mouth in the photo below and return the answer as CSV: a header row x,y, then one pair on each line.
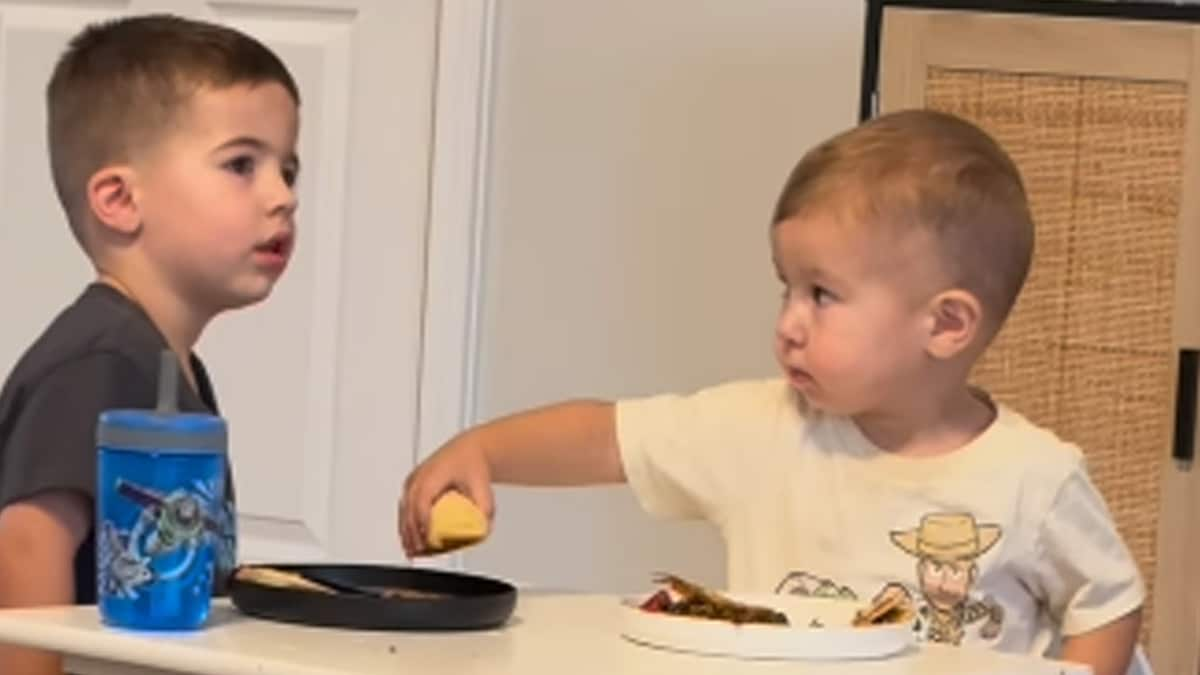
x,y
800,378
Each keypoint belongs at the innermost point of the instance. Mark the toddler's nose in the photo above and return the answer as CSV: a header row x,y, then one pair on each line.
x,y
791,328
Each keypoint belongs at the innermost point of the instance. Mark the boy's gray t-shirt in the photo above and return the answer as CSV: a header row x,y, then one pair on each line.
x,y
100,353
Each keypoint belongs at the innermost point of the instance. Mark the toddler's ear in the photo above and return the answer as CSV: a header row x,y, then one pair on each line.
x,y
956,317
111,200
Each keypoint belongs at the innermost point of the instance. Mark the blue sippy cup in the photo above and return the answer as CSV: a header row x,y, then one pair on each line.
x,y
160,490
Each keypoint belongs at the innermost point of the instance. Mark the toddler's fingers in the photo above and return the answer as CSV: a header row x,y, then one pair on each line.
x,y
411,549
412,525
479,490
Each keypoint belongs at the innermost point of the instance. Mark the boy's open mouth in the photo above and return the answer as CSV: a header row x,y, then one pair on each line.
x,y
279,245
272,255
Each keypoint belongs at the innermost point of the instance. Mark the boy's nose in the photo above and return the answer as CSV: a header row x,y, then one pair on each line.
x,y
290,201
282,197
791,328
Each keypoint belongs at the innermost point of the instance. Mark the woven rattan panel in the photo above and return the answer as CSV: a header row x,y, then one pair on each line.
x,y
1088,351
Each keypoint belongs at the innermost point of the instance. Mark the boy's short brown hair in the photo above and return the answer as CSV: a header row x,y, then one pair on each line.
x,y
930,170
120,84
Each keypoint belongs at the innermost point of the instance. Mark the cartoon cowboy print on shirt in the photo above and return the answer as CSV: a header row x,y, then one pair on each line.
x,y
947,547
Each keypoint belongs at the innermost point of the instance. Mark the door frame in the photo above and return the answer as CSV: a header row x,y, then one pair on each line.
x,y
458,200
457,212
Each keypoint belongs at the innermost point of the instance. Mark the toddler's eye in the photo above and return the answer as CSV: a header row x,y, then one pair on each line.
x,y
822,296
242,165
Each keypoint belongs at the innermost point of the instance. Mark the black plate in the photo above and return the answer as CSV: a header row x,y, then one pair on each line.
x,y
470,602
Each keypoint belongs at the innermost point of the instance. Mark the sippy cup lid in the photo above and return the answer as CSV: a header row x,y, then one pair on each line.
x,y
164,429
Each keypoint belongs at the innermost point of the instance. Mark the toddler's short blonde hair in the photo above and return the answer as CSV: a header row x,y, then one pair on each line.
x,y
930,170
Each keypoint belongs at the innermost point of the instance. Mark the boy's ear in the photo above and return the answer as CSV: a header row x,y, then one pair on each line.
x,y
956,317
110,197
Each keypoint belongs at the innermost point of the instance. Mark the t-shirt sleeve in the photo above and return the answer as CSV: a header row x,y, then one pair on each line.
x,y
1087,571
52,443
683,453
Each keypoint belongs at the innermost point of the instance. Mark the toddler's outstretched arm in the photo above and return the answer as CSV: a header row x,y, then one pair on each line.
x,y
573,443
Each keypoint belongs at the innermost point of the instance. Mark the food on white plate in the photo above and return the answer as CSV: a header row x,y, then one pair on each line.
x,y
892,605
684,598
681,597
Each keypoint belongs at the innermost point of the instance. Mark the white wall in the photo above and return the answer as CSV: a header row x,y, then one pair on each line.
x,y
637,151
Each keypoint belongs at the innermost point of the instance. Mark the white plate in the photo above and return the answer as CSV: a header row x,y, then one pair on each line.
x,y
836,640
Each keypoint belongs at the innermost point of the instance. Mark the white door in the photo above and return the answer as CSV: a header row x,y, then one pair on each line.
x,y
321,383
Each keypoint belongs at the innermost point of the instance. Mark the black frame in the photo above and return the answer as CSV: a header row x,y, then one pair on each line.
x,y
1147,11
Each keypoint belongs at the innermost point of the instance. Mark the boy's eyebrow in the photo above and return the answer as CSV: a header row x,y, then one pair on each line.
x,y
257,144
825,277
818,274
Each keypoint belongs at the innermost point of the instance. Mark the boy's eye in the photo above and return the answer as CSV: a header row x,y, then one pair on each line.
x,y
822,296
289,174
242,165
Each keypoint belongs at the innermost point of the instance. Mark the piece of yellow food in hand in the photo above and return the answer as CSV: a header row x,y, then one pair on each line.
x,y
455,522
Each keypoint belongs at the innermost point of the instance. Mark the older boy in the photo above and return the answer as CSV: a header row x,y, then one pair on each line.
x,y
172,147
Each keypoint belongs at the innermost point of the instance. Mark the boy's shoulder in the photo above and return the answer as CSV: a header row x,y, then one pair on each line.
x,y
766,393
747,398
100,323
755,412
98,353
1036,451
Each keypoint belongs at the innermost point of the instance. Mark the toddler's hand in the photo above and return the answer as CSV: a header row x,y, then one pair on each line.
x,y
458,465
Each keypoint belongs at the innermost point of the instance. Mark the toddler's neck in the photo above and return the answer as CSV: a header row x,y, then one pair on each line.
x,y
933,428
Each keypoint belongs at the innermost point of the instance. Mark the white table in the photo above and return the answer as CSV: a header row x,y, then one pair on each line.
x,y
574,634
